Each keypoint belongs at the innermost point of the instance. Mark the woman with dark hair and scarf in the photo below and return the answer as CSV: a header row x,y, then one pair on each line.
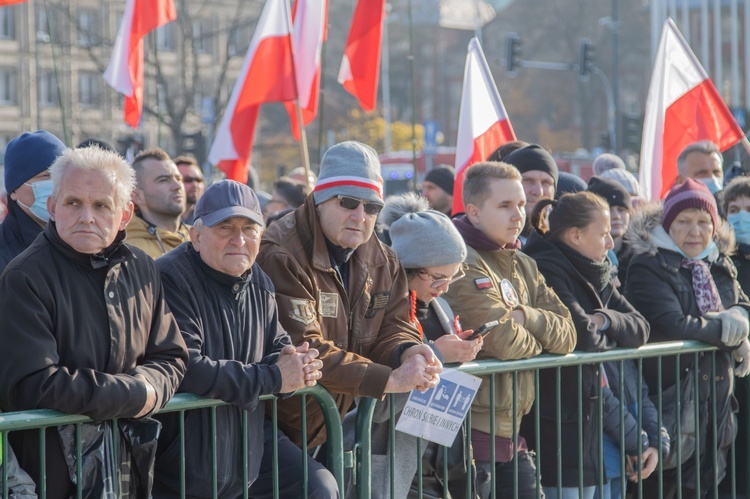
x,y
683,281
572,257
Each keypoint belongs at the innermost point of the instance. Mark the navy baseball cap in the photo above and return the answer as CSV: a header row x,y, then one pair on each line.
x,y
227,199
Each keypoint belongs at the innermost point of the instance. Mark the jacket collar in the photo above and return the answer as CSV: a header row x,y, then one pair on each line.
x,y
643,236
371,253
235,284
20,224
113,254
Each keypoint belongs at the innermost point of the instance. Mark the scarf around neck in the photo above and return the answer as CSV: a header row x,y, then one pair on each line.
x,y
596,273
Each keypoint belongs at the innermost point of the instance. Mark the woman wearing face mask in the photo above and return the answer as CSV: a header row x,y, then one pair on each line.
x,y
735,201
572,257
683,282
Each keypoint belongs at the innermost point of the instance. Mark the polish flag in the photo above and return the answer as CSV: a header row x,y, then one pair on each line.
x,y
267,75
309,21
360,67
683,106
483,123
125,70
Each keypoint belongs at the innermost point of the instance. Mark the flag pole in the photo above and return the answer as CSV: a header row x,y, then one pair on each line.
x,y
302,133
413,98
60,98
303,138
745,144
322,94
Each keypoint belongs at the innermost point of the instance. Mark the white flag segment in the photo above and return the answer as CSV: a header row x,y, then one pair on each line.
x,y
683,106
309,20
117,74
307,35
265,76
483,123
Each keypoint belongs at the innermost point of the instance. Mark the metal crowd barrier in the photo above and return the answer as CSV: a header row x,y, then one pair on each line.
x,y
359,457
490,368
180,403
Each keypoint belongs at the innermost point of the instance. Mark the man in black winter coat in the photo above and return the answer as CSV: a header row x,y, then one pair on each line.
x,y
83,324
226,309
27,161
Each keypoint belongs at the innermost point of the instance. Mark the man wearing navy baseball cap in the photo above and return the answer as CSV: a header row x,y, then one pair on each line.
x,y
225,307
27,182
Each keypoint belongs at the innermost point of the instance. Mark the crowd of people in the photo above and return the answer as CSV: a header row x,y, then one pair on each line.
x,y
122,284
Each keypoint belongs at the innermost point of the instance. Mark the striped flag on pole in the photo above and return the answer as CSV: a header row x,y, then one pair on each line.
x,y
683,106
483,123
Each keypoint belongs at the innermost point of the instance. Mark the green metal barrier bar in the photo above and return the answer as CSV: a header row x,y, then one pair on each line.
x,y
489,368
43,418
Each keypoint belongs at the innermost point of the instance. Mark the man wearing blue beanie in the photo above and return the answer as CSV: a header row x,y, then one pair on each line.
x,y
27,181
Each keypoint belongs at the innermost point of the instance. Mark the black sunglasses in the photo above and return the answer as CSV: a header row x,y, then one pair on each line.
x,y
353,204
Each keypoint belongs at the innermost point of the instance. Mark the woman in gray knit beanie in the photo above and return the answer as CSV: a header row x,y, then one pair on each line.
x,y
431,251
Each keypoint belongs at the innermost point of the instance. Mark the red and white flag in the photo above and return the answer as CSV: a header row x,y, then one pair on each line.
x,y
483,123
683,106
125,70
267,75
360,67
309,22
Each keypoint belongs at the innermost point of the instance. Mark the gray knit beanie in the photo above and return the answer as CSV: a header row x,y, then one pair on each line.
x,y
349,169
421,237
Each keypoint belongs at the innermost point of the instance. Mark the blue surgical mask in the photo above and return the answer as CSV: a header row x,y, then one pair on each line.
x,y
42,190
704,254
741,223
714,184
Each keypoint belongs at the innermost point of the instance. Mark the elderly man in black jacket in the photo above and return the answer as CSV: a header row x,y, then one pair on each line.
x,y
84,328
226,309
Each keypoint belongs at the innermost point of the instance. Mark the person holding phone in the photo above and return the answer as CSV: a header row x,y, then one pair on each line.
x,y
572,257
432,252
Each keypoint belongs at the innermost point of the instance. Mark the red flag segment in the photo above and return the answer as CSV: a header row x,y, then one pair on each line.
x,y
483,123
360,67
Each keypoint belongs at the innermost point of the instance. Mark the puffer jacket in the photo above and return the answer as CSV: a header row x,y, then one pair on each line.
x,y
663,292
627,328
548,328
153,240
360,334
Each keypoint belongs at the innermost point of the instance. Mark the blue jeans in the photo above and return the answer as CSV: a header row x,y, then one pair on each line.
x,y
612,489
504,478
570,493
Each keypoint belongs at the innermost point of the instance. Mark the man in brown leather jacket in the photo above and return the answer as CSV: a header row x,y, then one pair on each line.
x,y
344,292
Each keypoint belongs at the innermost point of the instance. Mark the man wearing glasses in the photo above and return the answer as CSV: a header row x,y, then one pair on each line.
x,y
342,291
192,178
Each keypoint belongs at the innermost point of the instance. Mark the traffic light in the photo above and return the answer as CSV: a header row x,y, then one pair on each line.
x,y
585,58
513,45
632,130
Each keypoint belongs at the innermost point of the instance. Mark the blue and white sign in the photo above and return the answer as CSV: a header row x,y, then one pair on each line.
x,y
430,136
436,415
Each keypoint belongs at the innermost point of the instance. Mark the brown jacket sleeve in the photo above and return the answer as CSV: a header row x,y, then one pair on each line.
x,y
351,365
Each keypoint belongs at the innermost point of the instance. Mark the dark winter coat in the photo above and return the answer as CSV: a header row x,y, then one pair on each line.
x,y
17,232
75,329
230,325
662,290
627,328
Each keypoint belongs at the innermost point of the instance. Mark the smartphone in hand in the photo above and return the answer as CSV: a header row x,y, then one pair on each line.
x,y
483,330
